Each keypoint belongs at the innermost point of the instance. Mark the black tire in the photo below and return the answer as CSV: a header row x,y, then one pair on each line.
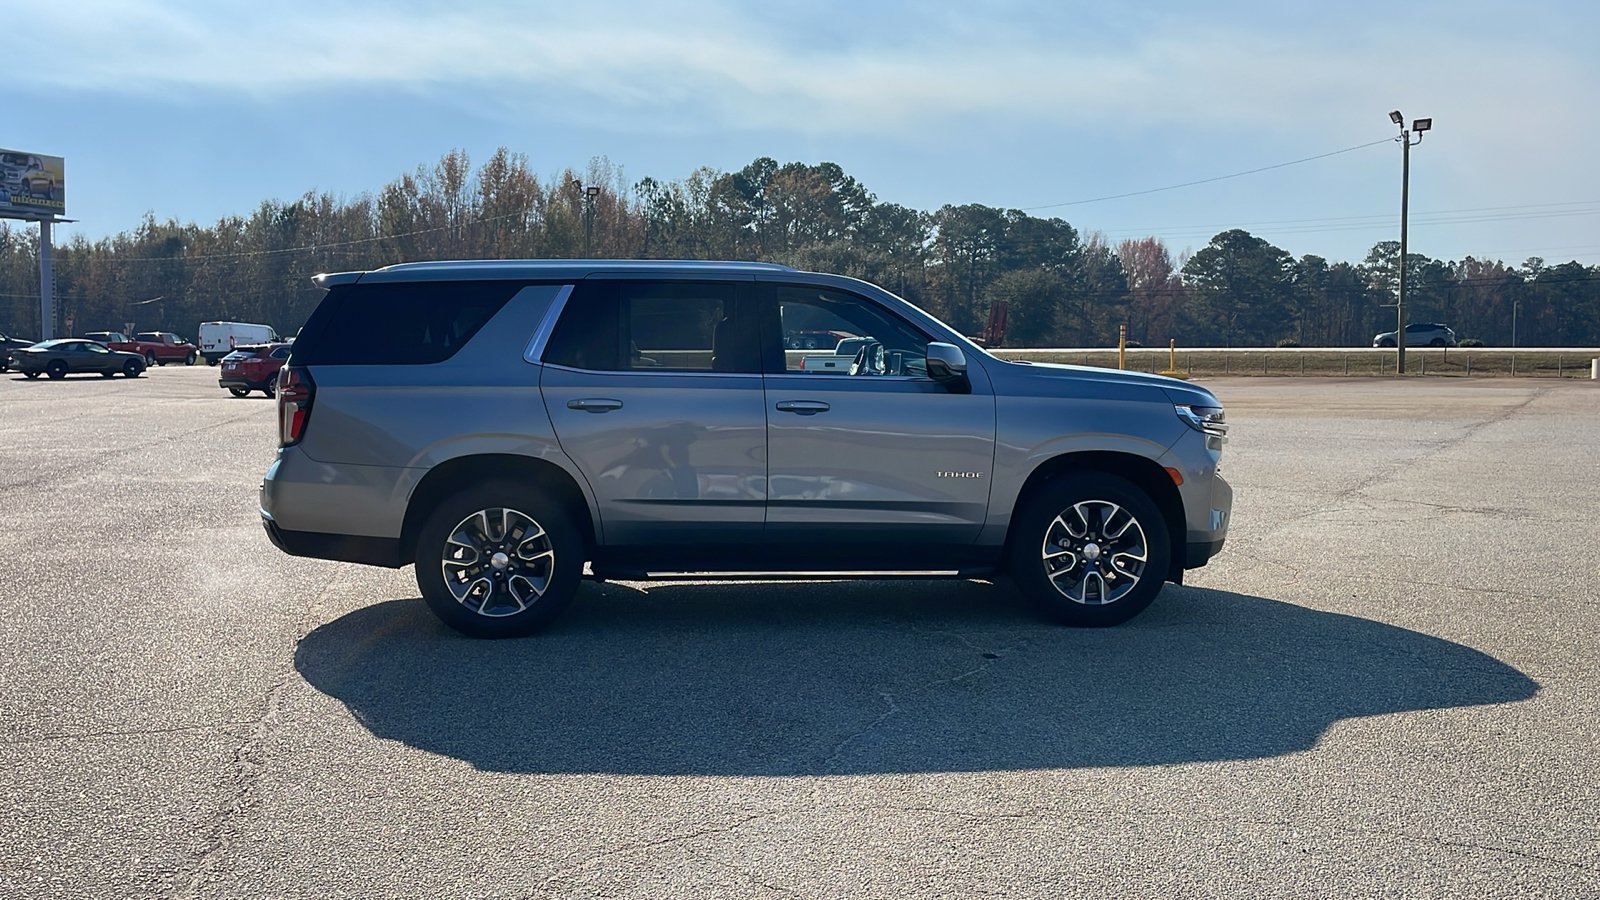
x,y
514,611
270,389
56,369
149,358
109,373
189,360
33,374
1386,343
132,369
1436,342
239,391
211,361
1086,501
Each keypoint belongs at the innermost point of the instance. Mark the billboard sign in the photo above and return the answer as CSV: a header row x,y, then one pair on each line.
x,y
32,185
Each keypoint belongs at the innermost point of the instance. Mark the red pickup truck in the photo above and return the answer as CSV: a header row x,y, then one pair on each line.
x,y
157,347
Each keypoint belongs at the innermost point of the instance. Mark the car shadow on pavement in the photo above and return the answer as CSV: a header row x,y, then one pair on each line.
x,y
881,677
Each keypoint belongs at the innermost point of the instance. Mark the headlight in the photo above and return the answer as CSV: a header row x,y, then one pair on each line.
x,y
1208,420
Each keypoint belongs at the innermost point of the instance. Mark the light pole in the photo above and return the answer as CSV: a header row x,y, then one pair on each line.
x,y
1418,126
589,193
1515,304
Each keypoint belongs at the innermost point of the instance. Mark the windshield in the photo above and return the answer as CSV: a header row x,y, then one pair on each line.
x,y
46,345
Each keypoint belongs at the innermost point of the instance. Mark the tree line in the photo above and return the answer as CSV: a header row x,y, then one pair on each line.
x,y
1060,286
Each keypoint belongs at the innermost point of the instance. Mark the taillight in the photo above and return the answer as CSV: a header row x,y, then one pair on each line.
x,y
295,390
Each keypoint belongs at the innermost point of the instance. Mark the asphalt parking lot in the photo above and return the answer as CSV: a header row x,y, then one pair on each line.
x,y
1387,685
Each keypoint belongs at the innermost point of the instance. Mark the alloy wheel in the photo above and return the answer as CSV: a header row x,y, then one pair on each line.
x,y
498,562
1095,552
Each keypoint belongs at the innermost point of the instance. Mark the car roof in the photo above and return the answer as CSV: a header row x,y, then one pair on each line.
x,y
539,269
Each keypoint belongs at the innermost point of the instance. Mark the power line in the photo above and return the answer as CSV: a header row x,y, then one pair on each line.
x,y
1365,223
1173,187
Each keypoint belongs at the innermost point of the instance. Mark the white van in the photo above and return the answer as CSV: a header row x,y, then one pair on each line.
x,y
217,339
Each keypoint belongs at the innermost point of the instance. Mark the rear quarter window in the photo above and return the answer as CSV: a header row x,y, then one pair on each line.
x,y
406,324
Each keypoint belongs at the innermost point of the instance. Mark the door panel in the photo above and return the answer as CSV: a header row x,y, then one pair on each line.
x,y
655,392
885,457
890,460
672,459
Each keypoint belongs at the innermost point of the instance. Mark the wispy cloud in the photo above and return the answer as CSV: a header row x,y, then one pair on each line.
x,y
712,66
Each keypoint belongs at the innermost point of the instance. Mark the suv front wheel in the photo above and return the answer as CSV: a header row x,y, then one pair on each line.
x,y
498,560
1090,550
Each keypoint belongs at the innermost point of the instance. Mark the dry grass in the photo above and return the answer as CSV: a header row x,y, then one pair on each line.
x,y
1458,363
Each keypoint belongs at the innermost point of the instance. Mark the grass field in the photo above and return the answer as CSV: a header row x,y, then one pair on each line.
x,y
1457,363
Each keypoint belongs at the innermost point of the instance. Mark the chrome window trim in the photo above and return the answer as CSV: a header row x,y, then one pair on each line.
x,y
547,326
655,372
814,376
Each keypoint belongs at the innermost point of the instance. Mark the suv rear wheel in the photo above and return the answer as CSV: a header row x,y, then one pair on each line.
x,y
498,560
1090,550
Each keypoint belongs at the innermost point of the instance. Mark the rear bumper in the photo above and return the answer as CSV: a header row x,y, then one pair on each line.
x,y
369,551
239,381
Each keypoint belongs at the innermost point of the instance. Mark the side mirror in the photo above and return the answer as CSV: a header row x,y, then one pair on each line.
x,y
946,361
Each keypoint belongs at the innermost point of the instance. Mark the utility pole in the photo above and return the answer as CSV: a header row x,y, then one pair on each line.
x,y
589,193
47,284
1418,126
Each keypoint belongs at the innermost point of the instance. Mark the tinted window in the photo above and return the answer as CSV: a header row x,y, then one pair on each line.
x,y
656,326
411,323
281,353
693,327
589,333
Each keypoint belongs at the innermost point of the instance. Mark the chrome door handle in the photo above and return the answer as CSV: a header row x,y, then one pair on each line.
x,y
594,404
803,407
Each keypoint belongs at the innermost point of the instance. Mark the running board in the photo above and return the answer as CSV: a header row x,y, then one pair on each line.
x,y
624,574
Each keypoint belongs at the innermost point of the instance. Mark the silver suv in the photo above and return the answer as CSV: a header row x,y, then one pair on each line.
x,y
514,427
1419,334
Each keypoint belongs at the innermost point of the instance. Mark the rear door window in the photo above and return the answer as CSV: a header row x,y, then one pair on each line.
x,y
614,326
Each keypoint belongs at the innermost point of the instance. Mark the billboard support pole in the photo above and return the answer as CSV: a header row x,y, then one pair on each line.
x,y
47,312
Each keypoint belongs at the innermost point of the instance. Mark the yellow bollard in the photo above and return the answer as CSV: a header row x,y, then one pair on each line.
x,y
1122,348
1172,361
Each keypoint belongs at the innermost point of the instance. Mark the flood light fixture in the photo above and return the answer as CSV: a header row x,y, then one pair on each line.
x,y
1420,125
1396,118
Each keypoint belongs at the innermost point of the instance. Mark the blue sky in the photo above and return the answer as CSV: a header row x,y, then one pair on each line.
x,y
197,110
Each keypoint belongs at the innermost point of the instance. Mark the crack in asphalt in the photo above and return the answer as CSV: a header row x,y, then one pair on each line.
x,y
743,872
1384,473
636,846
246,767
1282,824
131,732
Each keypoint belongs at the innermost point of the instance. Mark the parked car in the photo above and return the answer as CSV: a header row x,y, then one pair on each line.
x,y
218,339
1419,335
157,347
7,345
165,347
502,424
63,356
253,368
